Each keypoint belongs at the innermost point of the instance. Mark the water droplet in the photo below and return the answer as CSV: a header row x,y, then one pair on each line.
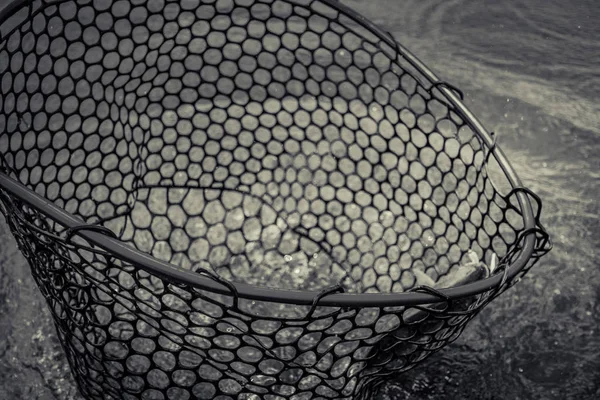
x,y
253,302
520,369
342,52
229,329
297,271
428,240
288,258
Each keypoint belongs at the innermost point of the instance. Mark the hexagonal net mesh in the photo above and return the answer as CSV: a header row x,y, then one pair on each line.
x,y
287,145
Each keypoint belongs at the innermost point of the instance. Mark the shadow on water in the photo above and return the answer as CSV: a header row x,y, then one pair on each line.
x,y
528,72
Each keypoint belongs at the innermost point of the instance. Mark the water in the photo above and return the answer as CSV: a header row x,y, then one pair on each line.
x,y
529,72
233,234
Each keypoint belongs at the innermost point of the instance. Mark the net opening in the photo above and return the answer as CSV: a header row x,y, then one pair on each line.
x,y
247,199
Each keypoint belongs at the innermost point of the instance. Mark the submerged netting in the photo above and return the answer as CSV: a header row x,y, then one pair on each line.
x,y
239,199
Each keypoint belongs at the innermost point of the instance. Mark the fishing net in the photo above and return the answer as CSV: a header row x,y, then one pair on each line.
x,y
242,199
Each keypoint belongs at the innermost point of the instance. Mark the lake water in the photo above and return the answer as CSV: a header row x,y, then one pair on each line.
x,y
529,71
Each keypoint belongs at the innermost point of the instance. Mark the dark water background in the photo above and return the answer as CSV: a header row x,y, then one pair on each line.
x,y
530,70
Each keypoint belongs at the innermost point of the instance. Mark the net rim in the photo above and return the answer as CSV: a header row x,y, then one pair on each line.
x,y
181,276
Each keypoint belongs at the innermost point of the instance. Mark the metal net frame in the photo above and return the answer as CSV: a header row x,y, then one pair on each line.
x,y
154,154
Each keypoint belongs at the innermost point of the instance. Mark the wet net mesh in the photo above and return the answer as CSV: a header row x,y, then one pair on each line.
x,y
279,144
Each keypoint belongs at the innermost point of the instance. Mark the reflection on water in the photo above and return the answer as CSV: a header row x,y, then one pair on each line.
x,y
529,72
541,52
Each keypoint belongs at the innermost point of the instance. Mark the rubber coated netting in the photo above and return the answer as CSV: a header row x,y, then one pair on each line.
x,y
278,144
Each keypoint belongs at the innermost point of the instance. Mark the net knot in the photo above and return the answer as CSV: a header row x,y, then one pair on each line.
x,y
232,289
437,308
70,232
448,86
337,288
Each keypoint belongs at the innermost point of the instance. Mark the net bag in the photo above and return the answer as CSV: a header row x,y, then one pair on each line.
x,y
242,199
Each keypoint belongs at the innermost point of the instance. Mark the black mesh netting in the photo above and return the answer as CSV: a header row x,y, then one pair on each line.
x,y
288,145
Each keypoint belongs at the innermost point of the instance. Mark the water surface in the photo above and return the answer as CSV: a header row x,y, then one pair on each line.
x,y
529,70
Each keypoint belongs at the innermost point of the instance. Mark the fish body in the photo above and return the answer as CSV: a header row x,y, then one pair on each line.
x,y
402,340
469,271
